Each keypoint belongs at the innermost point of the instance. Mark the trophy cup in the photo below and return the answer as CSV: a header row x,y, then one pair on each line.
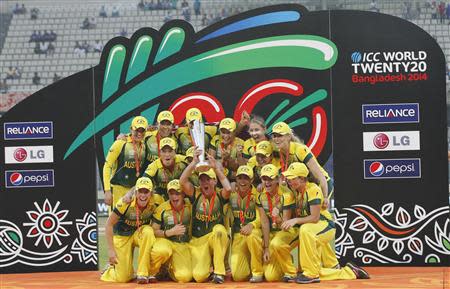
x,y
198,136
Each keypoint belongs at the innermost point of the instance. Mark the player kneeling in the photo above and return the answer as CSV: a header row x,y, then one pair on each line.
x,y
316,231
246,248
172,226
209,236
128,227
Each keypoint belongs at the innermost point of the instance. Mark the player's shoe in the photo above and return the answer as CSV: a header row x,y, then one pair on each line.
x,y
152,279
302,279
141,279
218,279
256,279
288,278
359,272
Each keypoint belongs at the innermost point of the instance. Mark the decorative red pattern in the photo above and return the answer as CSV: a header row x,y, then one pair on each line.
x,y
203,101
383,227
318,111
248,104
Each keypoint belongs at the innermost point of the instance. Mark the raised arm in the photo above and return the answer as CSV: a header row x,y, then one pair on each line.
x,y
218,169
186,185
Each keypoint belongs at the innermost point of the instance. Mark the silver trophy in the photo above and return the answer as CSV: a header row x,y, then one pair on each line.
x,y
198,136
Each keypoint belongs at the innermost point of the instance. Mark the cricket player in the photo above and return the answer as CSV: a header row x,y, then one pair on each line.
x,y
125,162
128,227
246,249
167,167
317,230
172,225
209,236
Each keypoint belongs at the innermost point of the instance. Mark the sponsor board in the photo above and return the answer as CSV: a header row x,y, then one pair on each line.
x,y
28,154
28,130
391,141
392,168
29,178
390,113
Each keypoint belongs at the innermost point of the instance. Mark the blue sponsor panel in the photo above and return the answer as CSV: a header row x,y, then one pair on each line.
x,y
390,113
29,178
28,130
392,168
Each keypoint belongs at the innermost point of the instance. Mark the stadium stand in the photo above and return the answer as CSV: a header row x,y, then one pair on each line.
x,y
65,18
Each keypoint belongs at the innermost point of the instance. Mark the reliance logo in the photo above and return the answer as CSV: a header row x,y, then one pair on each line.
x,y
392,168
28,130
390,113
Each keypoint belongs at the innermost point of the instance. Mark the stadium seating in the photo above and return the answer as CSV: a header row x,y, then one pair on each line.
x,y
65,18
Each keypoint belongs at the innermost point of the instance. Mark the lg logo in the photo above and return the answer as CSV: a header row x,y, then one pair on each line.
x,y
381,141
29,154
20,154
391,141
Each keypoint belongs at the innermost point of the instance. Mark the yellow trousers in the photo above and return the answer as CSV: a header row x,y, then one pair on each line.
x,y
124,245
314,237
177,254
246,255
118,192
280,247
210,246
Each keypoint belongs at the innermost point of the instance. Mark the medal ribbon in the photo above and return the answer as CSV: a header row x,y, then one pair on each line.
x,y
247,203
158,137
269,199
174,213
211,206
137,158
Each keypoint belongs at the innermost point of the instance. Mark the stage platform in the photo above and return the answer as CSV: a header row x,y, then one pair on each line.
x,y
382,278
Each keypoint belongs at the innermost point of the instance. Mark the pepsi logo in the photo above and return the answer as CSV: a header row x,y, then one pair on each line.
x,y
20,154
16,179
376,169
381,141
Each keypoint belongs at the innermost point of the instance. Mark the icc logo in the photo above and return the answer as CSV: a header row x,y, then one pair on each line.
x,y
381,141
356,57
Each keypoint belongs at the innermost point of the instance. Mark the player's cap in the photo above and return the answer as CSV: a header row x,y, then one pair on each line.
x,y
228,124
270,171
165,115
190,152
296,170
139,122
281,128
174,185
210,173
167,141
264,147
193,114
144,183
245,170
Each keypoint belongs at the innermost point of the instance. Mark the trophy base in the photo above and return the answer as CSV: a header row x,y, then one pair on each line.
x,y
202,167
